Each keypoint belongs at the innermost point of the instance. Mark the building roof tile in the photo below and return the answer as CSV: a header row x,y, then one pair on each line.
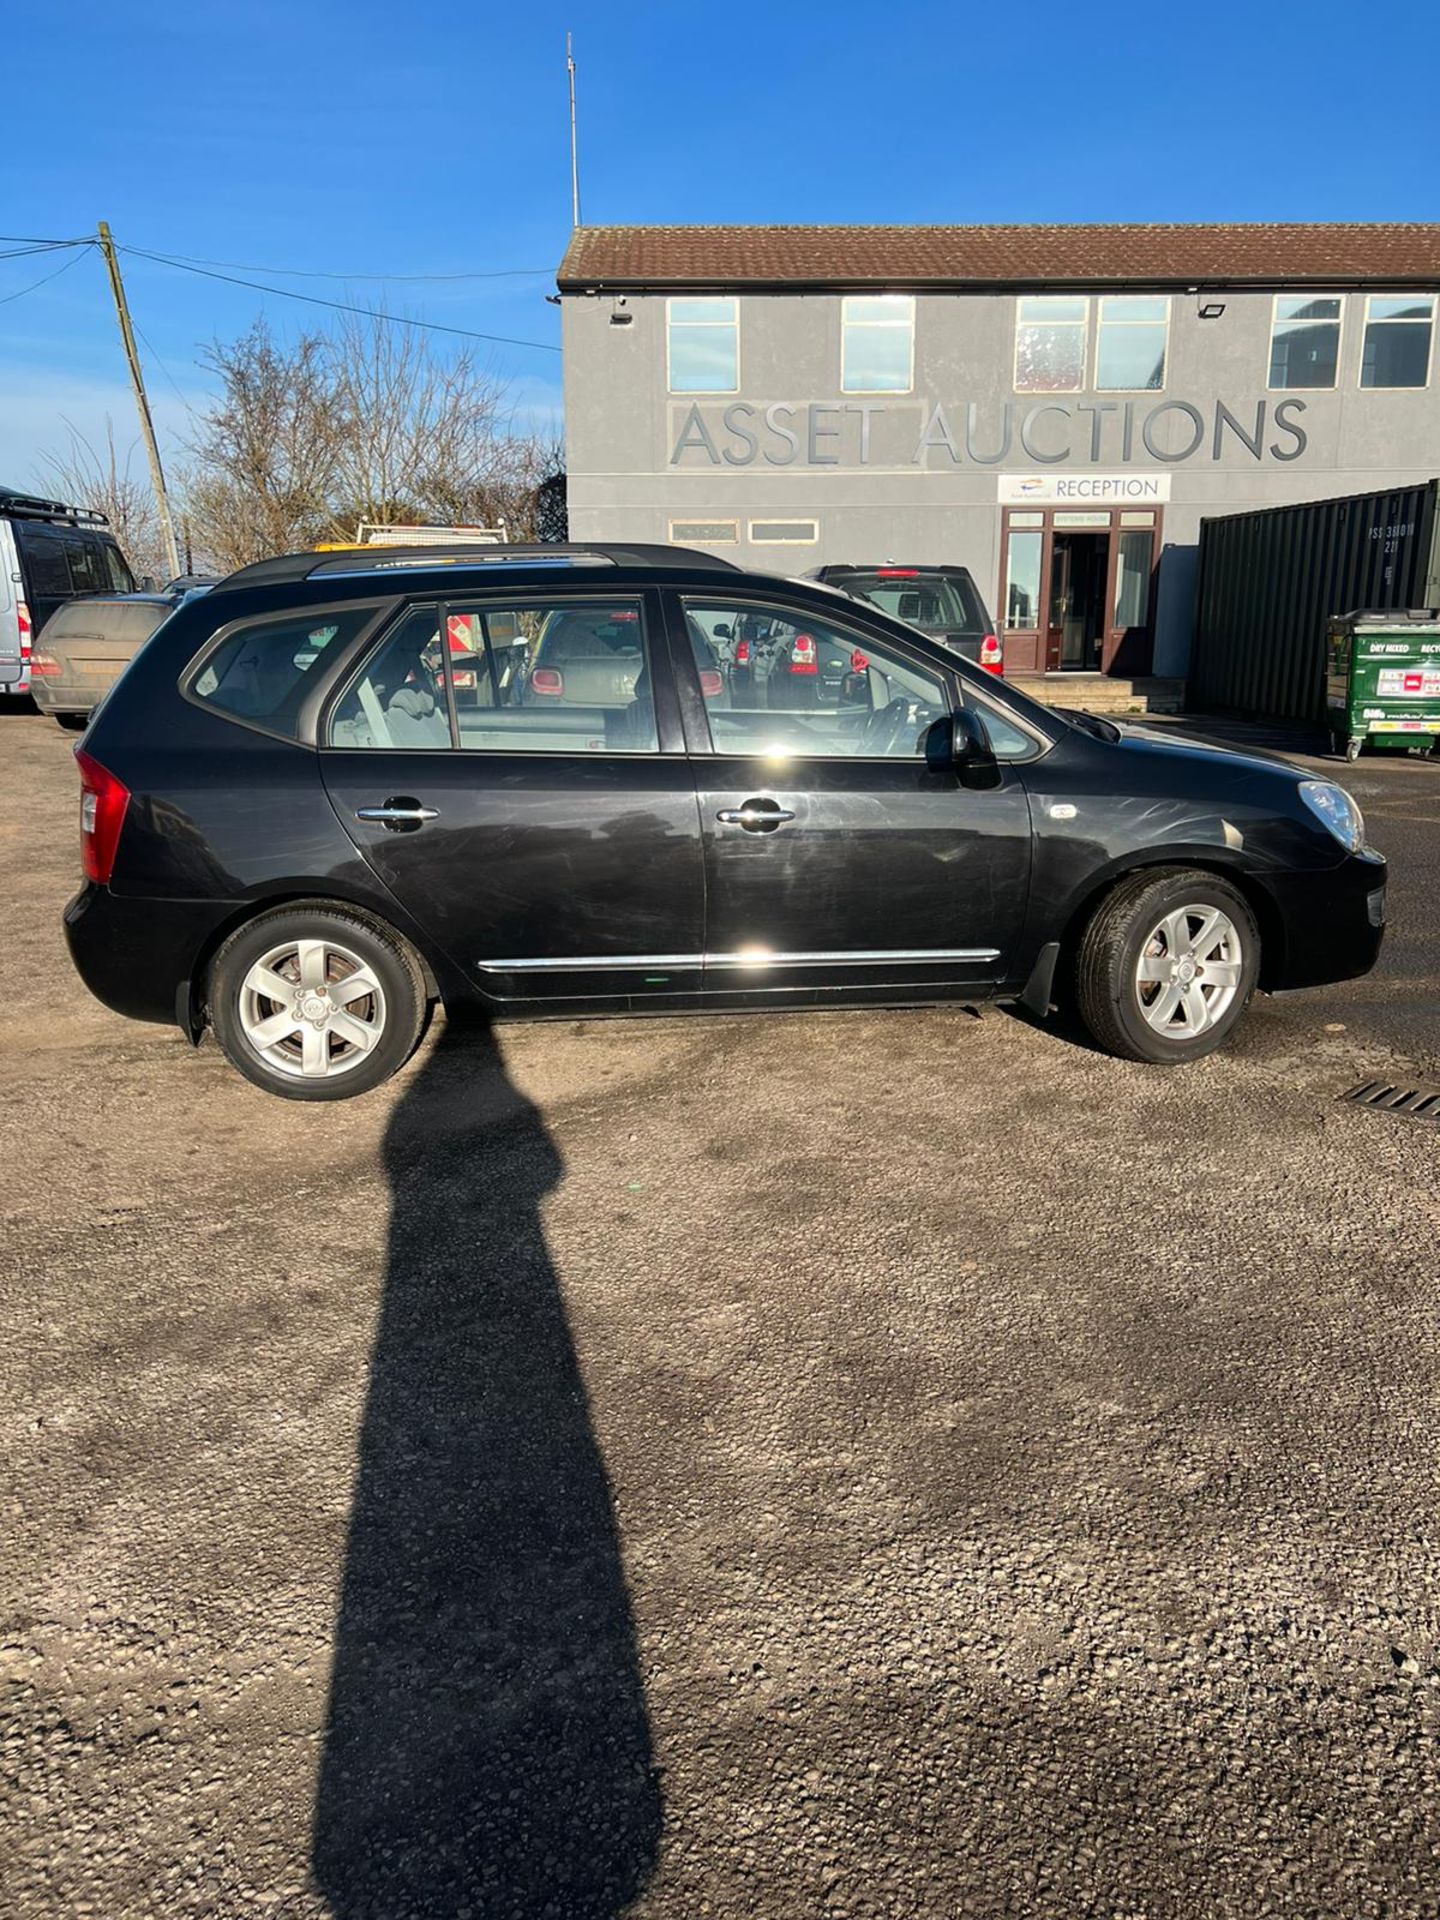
x,y
1001,256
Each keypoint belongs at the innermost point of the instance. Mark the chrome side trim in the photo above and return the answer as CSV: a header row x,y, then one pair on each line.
x,y
753,959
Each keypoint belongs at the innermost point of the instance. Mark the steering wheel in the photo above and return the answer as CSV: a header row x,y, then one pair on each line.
x,y
882,730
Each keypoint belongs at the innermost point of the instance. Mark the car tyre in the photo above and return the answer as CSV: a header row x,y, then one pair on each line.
x,y
317,1002
73,722
1166,966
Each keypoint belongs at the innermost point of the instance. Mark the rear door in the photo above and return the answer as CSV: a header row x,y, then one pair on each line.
x,y
835,861
540,823
45,568
11,661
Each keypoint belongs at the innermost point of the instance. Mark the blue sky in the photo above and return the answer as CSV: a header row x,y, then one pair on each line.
x,y
370,139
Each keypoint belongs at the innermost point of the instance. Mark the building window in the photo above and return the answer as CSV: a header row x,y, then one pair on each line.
x,y
1130,345
703,345
704,533
1022,570
1050,344
1304,342
1398,329
877,343
784,533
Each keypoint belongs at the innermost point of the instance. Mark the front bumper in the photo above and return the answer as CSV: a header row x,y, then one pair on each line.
x,y
138,956
1329,925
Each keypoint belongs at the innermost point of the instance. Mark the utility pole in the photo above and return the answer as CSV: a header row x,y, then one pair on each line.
x,y
574,151
142,404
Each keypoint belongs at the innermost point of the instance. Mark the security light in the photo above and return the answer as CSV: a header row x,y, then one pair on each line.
x,y
1212,310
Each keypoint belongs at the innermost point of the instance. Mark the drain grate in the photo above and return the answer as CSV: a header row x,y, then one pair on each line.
x,y
1384,1096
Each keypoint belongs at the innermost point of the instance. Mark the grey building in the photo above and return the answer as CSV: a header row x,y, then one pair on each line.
x,y
1054,407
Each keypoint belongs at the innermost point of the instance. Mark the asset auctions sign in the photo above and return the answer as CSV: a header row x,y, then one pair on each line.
x,y
1094,489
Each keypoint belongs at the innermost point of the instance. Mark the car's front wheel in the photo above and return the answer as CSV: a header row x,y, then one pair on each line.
x,y
317,1003
1166,966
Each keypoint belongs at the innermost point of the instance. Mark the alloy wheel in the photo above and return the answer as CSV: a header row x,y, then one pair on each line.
x,y
312,1008
1189,971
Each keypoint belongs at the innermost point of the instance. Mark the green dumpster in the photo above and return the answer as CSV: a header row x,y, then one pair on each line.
x,y
1382,680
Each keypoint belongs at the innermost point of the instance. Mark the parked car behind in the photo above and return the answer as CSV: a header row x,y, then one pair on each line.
x,y
297,829
943,603
50,553
86,645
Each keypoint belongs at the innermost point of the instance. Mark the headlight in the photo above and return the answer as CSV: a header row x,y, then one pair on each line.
x,y
1334,807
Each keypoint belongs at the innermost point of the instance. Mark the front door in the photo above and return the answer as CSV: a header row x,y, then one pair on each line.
x,y
1079,569
521,788
836,863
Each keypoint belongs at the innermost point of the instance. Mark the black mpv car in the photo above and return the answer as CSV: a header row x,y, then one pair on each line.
x,y
336,788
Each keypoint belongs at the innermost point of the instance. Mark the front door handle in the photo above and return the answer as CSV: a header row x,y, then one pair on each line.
x,y
756,816
399,814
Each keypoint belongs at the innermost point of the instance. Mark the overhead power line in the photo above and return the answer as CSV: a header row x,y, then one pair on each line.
x,y
315,273
342,306
46,278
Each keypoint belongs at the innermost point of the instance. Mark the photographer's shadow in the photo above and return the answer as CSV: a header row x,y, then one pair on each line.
x,y
487,1749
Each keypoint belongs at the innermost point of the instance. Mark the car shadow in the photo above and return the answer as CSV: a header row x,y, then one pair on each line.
x,y
487,1748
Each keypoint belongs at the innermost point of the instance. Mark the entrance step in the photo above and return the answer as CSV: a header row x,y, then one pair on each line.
x,y
1102,693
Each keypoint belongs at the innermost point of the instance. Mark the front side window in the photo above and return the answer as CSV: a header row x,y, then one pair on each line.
x,y
782,683
1130,343
1398,329
877,343
1304,342
121,578
261,671
530,677
1050,344
703,346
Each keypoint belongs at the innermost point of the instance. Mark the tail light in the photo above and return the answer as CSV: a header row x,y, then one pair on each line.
x,y
711,683
547,680
897,573
27,631
742,653
43,665
103,800
991,657
802,655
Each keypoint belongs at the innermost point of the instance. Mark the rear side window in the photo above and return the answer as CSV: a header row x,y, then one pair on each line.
x,y
43,561
259,671
933,602
489,677
117,568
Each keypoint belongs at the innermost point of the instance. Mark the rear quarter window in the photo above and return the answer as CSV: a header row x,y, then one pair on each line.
x,y
261,669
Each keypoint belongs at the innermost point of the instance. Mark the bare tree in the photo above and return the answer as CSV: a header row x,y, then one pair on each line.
x,y
261,479
370,422
86,476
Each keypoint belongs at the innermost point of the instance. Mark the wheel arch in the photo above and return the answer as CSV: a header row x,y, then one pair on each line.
x,y
192,1011
1246,883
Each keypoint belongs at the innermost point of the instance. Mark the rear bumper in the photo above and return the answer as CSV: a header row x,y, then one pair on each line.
x,y
137,956
1331,924
54,695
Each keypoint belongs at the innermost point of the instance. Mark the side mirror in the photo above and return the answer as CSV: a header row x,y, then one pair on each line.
x,y
723,632
148,583
957,743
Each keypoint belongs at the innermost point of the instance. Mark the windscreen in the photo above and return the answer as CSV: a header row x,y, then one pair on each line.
x,y
933,602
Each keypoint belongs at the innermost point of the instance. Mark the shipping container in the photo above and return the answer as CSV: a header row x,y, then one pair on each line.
x,y
1271,582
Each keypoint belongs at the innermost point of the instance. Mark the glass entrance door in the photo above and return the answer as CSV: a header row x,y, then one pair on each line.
x,y
1076,589
1079,572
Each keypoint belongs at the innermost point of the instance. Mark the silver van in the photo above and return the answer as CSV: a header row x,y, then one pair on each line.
x,y
49,553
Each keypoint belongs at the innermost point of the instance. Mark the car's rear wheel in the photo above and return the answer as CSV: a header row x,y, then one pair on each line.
x,y
317,1003
1166,966
73,722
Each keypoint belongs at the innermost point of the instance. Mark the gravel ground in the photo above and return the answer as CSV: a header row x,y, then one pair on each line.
x,y
862,1464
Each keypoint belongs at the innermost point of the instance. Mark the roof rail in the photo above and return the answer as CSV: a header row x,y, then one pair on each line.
x,y
30,506
286,568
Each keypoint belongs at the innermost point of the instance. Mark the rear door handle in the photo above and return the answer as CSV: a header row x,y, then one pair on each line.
x,y
758,816
400,814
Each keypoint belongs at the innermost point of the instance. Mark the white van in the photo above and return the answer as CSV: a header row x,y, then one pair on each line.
x,y
49,553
